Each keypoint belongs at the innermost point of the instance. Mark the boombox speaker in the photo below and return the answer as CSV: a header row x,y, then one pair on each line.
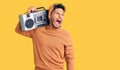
x,y
33,20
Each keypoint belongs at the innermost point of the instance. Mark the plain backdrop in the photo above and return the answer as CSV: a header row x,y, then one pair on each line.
x,y
94,26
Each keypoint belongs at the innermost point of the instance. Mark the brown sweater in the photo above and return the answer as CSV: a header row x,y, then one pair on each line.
x,y
52,47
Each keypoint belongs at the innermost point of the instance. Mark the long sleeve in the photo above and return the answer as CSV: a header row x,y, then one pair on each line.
x,y
25,33
69,55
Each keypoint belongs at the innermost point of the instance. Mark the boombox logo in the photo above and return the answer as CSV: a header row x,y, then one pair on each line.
x,y
33,20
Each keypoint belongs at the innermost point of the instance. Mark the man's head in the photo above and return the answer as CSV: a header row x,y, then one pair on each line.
x,y
56,15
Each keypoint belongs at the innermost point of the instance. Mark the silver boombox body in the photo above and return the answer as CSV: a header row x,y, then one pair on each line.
x,y
33,20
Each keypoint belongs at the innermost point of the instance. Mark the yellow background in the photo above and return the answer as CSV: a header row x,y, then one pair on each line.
x,y
93,24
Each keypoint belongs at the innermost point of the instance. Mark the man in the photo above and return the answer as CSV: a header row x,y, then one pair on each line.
x,y
52,44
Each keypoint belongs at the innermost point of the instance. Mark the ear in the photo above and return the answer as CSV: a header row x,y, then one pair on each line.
x,y
50,10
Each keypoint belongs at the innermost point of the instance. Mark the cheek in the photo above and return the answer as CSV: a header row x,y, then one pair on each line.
x,y
62,18
54,17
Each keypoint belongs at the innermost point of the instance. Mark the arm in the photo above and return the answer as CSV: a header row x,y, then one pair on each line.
x,y
69,55
25,33
18,28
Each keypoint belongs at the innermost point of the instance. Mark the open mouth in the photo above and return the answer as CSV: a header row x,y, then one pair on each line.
x,y
58,21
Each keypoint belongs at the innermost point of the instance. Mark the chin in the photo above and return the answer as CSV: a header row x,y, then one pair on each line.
x,y
57,27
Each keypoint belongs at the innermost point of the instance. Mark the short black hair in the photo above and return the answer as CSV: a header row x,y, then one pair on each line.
x,y
59,6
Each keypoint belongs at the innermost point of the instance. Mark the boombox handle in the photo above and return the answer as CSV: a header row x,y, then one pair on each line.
x,y
40,8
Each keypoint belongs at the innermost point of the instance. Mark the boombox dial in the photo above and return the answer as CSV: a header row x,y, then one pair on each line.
x,y
29,23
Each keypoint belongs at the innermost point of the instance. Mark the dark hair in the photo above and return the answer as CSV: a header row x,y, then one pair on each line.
x,y
59,6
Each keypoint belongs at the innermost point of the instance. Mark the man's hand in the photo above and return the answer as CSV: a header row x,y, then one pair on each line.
x,y
32,9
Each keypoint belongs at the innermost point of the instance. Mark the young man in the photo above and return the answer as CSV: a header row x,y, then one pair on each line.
x,y
52,44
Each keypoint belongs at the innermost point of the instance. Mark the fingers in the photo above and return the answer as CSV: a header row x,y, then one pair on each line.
x,y
32,9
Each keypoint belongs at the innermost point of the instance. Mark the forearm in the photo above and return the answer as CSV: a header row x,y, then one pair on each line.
x,y
19,30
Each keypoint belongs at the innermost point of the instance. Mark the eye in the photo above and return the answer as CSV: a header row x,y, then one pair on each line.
x,y
63,14
57,13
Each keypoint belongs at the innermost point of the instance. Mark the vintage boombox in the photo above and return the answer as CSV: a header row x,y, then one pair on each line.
x,y
33,20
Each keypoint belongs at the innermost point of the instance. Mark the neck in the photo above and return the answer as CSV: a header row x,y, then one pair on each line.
x,y
51,27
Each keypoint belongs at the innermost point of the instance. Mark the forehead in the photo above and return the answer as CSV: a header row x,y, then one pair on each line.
x,y
58,10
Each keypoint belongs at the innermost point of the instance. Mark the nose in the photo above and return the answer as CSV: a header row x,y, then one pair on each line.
x,y
61,16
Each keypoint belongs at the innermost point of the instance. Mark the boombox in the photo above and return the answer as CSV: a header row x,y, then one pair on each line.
x,y
33,20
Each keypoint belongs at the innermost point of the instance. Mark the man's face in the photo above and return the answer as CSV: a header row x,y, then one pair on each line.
x,y
57,17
